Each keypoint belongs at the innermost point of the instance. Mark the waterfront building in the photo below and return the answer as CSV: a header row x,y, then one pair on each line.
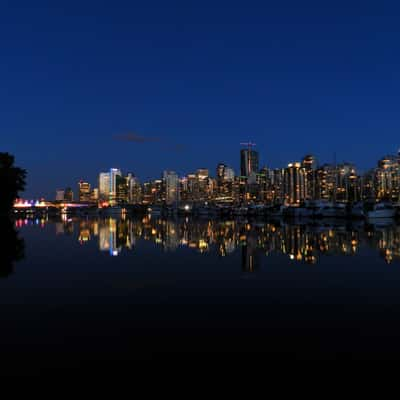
x,y
295,184
171,182
121,189
253,188
68,194
134,189
115,182
104,186
84,191
310,165
367,186
387,178
274,186
347,183
198,187
224,183
326,182
153,192
94,195
60,194
239,189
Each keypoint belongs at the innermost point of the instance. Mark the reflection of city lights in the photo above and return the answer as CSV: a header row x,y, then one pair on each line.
x,y
202,244
116,235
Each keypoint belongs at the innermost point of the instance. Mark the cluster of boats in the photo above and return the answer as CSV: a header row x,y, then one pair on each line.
x,y
309,209
306,210
341,210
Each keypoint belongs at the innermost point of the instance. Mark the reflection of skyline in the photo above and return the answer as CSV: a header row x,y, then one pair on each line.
x,y
301,243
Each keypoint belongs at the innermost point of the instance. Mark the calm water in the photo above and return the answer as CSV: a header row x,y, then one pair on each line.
x,y
88,291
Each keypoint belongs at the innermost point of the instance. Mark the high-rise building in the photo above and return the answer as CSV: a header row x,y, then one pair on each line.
x,y
309,163
171,181
295,182
204,185
367,186
84,191
387,179
114,173
122,189
273,186
224,183
220,173
326,184
134,189
249,161
229,175
347,183
104,186
153,192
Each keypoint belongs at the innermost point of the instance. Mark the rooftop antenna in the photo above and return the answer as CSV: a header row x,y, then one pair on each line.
x,y
248,144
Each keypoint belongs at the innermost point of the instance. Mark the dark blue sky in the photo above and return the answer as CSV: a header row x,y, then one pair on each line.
x,y
195,79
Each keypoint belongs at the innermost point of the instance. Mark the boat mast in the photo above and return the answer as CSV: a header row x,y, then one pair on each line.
x,y
336,177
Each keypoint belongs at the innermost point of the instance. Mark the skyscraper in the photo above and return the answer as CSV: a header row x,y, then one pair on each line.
x,y
249,161
220,174
387,178
114,173
134,189
309,163
295,183
104,186
171,181
122,190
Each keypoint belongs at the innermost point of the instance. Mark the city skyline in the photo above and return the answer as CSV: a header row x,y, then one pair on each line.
x,y
213,172
293,184
170,86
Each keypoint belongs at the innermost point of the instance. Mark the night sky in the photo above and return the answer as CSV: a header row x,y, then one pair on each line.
x,y
152,85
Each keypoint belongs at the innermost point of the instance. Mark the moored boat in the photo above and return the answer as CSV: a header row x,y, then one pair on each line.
x,y
382,210
357,210
331,210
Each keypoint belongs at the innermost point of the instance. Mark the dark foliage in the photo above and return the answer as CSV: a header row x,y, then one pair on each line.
x,y
12,181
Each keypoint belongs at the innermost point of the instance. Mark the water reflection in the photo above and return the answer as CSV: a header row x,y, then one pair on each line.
x,y
12,247
305,243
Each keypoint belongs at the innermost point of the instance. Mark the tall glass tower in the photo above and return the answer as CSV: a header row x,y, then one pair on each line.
x,y
114,172
249,161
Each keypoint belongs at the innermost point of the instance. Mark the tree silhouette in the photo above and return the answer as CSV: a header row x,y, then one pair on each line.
x,y
12,181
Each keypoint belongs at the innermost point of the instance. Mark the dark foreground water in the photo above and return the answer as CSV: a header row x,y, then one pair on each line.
x,y
88,292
